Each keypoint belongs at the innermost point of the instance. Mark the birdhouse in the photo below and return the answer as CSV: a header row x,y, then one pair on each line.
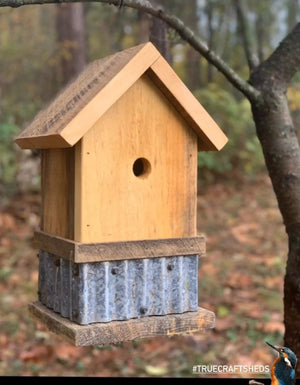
x,y
118,239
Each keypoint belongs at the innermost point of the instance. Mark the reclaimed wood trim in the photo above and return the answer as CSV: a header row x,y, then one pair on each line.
x,y
59,246
106,333
113,251
211,137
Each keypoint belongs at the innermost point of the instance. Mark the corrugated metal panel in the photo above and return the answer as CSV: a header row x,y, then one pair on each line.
x,y
118,290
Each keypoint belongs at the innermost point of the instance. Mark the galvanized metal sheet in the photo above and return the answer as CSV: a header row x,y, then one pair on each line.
x,y
118,290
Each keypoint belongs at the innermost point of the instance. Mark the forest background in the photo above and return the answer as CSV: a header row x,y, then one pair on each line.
x,y
241,279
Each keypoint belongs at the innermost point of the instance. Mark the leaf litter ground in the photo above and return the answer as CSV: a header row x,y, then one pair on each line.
x,y
241,280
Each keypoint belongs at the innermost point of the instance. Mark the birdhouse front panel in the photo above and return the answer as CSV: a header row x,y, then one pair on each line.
x,y
136,171
132,176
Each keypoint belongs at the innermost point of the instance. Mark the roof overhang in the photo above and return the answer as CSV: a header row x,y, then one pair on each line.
x,y
82,102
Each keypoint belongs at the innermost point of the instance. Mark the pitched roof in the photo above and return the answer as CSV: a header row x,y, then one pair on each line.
x,y
85,99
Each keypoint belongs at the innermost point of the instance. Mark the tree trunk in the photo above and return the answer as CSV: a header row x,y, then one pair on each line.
x,y
292,13
210,33
260,36
193,64
144,27
278,138
246,33
158,34
280,145
71,37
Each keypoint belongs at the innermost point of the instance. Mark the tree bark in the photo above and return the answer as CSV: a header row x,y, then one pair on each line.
x,y
278,138
210,39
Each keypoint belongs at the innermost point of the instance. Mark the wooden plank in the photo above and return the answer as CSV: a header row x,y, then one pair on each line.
x,y
42,142
99,252
141,249
78,204
116,205
58,192
56,245
119,331
206,128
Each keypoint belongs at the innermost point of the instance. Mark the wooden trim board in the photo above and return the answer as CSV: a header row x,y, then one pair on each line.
x,y
113,251
119,331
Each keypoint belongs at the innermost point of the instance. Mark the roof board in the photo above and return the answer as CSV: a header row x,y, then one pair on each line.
x,y
85,99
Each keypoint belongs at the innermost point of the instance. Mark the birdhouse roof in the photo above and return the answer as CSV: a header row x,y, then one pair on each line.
x,y
86,98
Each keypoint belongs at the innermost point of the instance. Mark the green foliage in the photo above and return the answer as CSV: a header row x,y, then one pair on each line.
x,y
242,152
26,74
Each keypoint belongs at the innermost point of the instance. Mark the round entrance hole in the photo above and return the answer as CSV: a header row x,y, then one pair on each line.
x,y
141,168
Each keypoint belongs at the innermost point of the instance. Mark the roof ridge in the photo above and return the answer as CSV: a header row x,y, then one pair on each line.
x,y
77,107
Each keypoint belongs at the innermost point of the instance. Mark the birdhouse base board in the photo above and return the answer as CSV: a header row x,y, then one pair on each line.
x,y
108,333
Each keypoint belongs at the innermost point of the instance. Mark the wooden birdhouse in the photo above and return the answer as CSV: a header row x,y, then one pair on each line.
x,y
118,243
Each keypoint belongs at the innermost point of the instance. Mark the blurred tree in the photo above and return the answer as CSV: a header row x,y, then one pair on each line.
x,y
292,13
71,39
193,60
158,32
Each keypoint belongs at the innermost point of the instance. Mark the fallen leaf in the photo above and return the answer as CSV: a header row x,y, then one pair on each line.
x,y
7,221
223,324
261,355
222,311
37,354
273,326
240,280
209,269
67,352
156,370
273,282
246,233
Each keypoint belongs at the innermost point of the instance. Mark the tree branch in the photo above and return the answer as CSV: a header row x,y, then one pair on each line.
x,y
283,64
175,23
241,12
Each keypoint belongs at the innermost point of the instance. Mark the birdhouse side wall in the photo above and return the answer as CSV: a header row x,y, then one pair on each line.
x,y
136,171
57,174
